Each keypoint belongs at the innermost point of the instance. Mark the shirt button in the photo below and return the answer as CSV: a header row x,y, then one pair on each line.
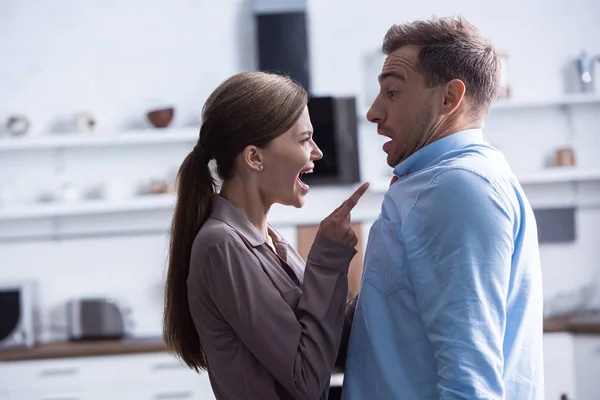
x,y
295,378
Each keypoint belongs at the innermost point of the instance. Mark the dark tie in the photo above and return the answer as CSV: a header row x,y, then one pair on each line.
x,y
394,179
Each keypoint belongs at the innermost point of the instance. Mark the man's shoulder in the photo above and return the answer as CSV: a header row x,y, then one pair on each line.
x,y
467,174
484,161
475,179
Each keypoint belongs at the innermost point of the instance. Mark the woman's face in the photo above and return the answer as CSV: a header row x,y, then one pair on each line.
x,y
285,159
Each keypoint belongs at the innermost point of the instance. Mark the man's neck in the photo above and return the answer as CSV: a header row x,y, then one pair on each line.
x,y
447,127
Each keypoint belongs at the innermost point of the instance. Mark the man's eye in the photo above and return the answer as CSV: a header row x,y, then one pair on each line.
x,y
391,93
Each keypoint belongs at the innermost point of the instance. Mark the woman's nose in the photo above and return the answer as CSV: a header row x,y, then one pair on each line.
x,y
316,153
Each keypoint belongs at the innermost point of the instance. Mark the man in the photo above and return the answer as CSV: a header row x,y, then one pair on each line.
x,y
450,305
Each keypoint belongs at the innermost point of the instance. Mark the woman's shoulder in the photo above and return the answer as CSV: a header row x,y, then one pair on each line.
x,y
214,234
215,238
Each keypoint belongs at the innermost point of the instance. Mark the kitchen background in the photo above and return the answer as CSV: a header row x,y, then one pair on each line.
x,y
86,177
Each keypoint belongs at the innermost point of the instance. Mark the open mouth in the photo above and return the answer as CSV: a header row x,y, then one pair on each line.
x,y
308,170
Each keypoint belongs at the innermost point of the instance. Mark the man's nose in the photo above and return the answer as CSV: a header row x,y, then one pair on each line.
x,y
374,115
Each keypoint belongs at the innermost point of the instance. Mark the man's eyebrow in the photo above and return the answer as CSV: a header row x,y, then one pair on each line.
x,y
391,74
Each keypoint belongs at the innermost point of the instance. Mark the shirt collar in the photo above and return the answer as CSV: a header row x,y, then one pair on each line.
x,y
425,156
225,211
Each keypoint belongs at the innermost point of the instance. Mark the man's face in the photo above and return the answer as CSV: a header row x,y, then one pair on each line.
x,y
404,108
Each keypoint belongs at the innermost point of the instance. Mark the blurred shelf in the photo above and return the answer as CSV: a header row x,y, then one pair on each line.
x,y
524,104
89,207
126,138
565,100
319,203
548,175
559,175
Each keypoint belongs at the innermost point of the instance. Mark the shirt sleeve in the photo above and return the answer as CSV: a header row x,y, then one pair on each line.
x,y
459,240
298,347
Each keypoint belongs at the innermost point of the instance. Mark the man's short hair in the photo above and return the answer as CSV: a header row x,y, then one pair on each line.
x,y
451,48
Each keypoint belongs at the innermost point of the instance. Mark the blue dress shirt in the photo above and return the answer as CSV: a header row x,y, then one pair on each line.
x,y
450,305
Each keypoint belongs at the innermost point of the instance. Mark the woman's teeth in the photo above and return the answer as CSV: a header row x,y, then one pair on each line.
x,y
304,185
303,173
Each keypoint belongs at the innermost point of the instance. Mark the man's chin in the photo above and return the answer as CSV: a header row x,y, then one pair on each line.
x,y
392,161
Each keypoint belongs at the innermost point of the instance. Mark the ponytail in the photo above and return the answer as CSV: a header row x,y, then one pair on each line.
x,y
195,189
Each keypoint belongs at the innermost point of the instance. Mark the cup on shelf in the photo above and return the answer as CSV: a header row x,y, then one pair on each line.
x,y
115,190
17,125
84,122
564,157
70,193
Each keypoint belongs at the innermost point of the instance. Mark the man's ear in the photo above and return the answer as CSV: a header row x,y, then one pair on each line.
x,y
453,96
253,158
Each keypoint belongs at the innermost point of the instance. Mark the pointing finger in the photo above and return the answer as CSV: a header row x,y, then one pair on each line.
x,y
334,212
352,201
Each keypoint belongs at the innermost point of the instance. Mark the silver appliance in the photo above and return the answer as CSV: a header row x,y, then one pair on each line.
x,y
585,69
96,319
18,314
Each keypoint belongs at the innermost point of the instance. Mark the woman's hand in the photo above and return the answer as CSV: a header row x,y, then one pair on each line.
x,y
337,226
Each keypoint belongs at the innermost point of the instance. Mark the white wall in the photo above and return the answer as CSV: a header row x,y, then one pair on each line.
x,y
117,59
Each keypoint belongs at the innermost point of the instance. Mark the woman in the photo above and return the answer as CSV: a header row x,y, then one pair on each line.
x,y
239,300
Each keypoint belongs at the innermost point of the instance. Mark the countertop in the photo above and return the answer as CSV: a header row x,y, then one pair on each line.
x,y
156,345
84,349
570,325
100,348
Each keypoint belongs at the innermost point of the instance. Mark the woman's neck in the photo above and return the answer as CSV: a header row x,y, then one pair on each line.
x,y
247,199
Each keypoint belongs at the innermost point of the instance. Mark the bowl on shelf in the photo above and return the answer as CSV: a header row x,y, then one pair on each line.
x,y
161,118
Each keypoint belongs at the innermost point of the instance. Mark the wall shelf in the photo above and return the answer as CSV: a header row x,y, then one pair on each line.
x,y
153,212
561,101
325,199
319,203
126,138
87,207
566,100
550,175
559,175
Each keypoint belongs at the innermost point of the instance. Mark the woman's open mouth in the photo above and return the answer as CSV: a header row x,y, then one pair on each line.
x,y
303,185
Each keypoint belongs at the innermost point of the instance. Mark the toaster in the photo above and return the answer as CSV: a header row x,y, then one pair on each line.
x,y
95,319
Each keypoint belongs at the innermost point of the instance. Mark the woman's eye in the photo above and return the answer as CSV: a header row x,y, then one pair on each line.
x,y
391,93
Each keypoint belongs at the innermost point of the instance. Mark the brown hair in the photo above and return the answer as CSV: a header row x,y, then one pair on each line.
x,y
451,48
250,108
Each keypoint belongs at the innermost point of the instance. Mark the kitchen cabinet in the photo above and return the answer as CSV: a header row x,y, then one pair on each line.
x,y
571,366
154,376
587,372
559,366
571,363
159,392
57,373
65,394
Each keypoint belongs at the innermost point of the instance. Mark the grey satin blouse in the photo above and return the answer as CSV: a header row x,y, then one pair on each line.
x,y
270,324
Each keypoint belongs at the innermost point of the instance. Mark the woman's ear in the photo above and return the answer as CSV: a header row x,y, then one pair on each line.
x,y
253,158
